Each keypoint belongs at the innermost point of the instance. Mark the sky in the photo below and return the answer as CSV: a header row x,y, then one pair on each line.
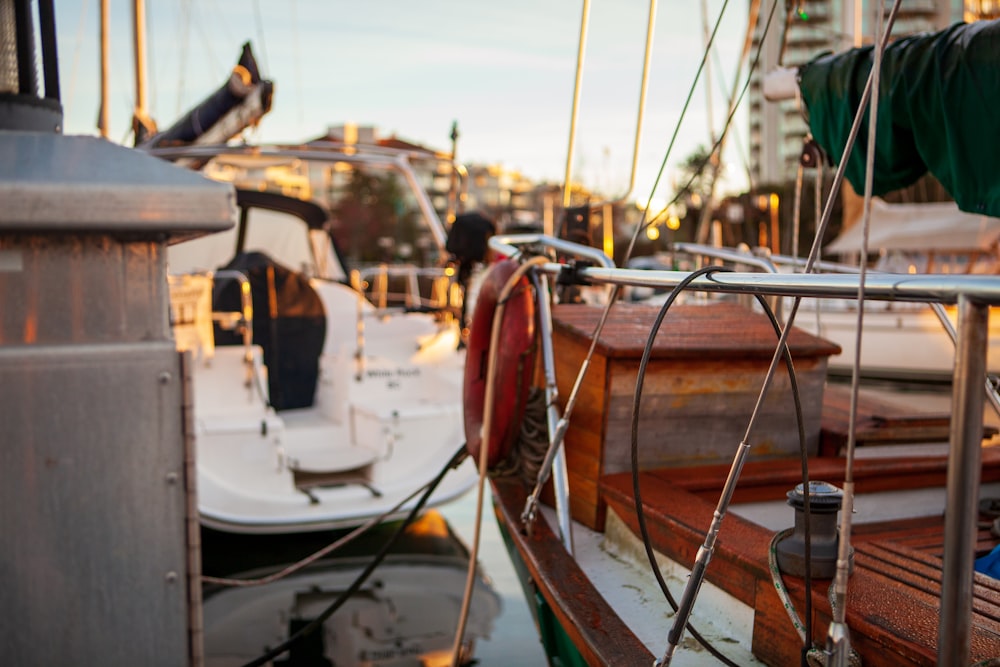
x,y
504,70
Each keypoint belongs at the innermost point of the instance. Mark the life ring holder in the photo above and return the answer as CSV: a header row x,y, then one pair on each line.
x,y
497,380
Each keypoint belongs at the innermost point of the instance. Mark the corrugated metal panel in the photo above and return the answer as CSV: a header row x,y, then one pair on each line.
x,y
82,288
92,506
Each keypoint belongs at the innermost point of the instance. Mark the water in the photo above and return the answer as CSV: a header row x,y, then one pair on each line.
x,y
405,611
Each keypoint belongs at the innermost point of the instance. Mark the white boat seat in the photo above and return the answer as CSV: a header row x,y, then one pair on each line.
x,y
331,459
341,466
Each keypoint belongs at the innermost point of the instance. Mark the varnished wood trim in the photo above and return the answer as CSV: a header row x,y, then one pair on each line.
x,y
596,630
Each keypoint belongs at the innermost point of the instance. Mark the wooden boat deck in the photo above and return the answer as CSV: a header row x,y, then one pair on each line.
x,y
894,592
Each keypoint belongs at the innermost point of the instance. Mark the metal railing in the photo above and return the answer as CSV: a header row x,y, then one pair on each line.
x,y
372,285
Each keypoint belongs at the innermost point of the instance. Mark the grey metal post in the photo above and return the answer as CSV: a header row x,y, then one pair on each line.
x,y
964,460
101,555
560,473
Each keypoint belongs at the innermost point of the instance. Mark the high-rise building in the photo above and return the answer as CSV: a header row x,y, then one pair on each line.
x,y
777,129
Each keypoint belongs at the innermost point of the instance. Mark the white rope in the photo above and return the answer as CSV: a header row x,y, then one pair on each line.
x,y
484,446
295,567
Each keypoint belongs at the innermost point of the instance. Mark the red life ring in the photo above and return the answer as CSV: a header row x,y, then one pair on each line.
x,y
515,363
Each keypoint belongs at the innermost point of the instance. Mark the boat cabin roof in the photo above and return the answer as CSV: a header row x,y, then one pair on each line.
x,y
314,215
292,231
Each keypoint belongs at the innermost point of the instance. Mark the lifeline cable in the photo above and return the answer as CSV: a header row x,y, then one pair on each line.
x,y
317,622
640,514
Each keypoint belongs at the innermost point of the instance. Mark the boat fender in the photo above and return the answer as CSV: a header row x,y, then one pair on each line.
x,y
515,363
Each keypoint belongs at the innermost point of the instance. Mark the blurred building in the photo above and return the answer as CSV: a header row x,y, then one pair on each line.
x,y
433,167
514,202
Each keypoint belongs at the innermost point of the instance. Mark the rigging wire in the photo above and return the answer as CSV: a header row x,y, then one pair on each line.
x,y
673,138
317,622
185,35
705,551
708,547
259,23
644,222
744,159
838,642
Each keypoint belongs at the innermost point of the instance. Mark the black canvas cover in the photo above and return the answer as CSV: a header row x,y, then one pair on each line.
x,y
935,112
289,323
469,236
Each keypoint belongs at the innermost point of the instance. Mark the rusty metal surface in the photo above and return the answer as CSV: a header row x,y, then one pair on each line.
x,y
93,563
82,289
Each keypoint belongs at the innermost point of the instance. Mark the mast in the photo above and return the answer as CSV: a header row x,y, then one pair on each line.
x,y
567,185
142,125
453,180
102,120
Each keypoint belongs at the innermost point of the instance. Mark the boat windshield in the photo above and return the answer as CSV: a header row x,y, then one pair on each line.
x,y
285,238
375,216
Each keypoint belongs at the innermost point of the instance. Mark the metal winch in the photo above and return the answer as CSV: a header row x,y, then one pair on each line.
x,y
824,502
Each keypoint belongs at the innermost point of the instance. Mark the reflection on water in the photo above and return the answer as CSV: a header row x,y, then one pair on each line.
x,y
405,613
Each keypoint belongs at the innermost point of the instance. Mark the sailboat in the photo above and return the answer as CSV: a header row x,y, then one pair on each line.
x,y
907,341
324,332
707,496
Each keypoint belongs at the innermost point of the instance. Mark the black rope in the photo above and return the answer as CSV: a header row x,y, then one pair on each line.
x,y
804,455
640,513
316,623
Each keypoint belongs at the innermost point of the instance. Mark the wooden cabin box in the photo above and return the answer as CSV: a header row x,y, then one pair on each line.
x,y
702,381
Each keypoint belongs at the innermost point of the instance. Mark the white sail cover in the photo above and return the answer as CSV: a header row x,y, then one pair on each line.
x,y
919,227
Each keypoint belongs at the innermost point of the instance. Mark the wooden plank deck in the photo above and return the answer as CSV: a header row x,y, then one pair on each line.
x,y
706,363
878,422
893,594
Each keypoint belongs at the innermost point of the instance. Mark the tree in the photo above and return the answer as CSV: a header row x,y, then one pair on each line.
x,y
696,174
